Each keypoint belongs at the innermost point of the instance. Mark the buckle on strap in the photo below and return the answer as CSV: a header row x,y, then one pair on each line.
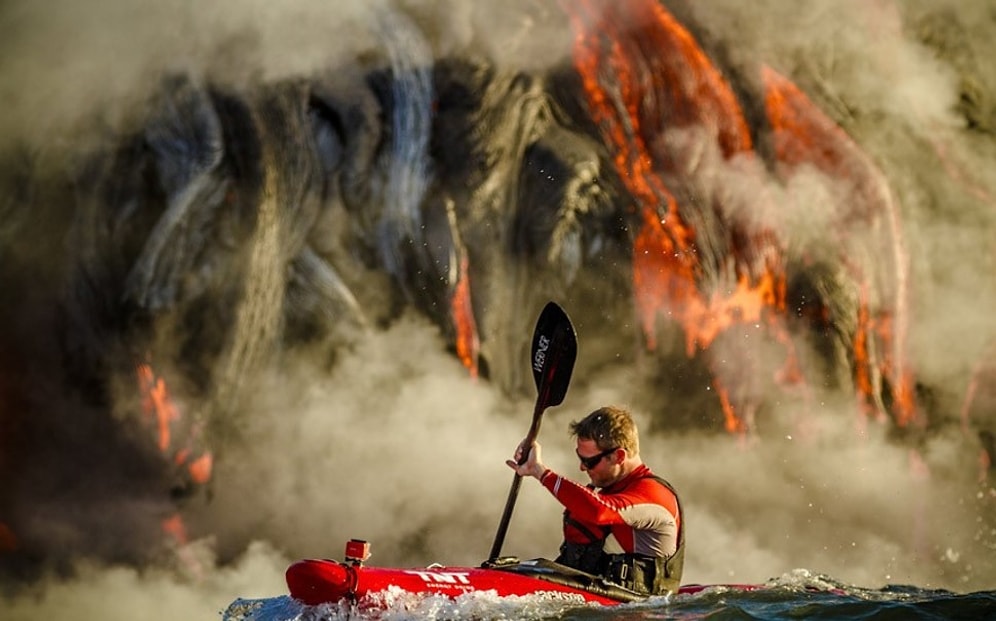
x,y
619,569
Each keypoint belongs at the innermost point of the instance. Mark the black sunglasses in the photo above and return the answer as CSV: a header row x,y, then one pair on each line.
x,y
591,462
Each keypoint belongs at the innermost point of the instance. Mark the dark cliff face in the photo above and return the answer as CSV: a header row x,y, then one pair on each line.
x,y
704,220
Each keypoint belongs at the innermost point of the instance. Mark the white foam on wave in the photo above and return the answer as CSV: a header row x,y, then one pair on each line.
x,y
395,604
805,579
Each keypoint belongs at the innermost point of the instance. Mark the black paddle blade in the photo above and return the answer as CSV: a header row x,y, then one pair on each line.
x,y
555,347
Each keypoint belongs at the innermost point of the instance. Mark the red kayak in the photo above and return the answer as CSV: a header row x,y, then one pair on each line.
x,y
319,581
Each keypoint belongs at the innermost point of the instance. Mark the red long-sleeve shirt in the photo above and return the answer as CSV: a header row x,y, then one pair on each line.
x,y
641,513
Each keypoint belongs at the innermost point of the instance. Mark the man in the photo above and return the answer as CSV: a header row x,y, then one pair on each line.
x,y
627,525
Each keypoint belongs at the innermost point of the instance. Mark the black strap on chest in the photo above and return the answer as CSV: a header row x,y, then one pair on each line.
x,y
667,571
587,556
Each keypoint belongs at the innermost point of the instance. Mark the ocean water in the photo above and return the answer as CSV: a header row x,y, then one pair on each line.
x,y
798,595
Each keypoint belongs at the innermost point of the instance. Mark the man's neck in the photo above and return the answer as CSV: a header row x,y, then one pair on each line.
x,y
628,467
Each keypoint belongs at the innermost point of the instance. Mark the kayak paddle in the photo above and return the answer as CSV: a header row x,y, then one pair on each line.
x,y
555,348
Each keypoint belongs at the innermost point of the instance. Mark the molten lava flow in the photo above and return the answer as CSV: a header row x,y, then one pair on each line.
x,y
803,135
199,468
663,277
634,58
662,78
156,404
175,528
159,409
462,311
643,74
865,377
731,422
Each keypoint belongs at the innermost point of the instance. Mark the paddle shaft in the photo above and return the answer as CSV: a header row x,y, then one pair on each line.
x,y
513,491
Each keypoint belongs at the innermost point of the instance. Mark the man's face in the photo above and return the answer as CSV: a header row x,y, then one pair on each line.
x,y
607,465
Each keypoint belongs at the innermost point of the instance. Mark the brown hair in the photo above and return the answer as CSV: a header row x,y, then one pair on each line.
x,y
610,427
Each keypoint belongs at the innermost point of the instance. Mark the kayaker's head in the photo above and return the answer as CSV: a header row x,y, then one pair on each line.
x,y
608,445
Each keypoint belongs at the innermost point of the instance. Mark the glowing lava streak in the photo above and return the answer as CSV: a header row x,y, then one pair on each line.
x,y
156,404
643,74
159,409
803,135
462,311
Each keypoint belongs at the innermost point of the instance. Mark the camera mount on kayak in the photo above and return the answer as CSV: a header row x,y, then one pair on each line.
x,y
357,551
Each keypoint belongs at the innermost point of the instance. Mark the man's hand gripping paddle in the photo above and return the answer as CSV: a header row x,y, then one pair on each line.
x,y
555,347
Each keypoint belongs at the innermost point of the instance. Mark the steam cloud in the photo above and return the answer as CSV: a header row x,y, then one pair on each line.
x,y
390,440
